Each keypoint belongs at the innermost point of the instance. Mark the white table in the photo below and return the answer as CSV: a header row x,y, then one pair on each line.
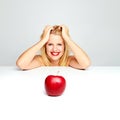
x,y
93,94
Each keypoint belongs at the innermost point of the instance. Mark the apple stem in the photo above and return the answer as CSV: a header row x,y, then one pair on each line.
x,y
58,72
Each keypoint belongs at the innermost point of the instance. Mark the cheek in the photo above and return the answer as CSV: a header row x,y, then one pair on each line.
x,y
48,48
61,48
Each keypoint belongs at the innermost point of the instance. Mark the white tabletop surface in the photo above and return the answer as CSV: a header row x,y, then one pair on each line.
x,y
93,94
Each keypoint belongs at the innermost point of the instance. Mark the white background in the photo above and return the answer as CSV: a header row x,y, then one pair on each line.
x,y
93,94
93,24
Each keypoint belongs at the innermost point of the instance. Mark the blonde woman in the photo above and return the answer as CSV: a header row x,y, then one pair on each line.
x,y
55,43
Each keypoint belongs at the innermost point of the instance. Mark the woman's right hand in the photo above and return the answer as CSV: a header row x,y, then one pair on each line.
x,y
46,33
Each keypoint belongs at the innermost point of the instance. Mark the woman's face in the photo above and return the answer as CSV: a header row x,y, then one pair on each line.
x,y
55,47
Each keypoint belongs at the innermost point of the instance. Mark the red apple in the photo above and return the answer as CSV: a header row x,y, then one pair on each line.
x,y
55,85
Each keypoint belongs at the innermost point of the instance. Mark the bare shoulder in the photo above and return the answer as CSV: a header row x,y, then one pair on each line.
x,y
38,58
73,62
71,57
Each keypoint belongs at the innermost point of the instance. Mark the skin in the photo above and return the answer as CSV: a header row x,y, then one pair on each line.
x,y
55,48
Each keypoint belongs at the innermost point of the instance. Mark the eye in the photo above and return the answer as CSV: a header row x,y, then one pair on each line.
x,y
50,44
59,44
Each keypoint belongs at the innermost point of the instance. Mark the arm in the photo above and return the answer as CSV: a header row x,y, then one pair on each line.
x,y
80,59
28,59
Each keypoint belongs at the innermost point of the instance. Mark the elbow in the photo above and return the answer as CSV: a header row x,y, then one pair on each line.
x,y
20,65
86,65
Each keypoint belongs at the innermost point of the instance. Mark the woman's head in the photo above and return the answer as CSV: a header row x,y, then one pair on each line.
x,y
56,48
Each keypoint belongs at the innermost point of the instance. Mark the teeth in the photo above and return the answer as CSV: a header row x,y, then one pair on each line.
x,y
55,53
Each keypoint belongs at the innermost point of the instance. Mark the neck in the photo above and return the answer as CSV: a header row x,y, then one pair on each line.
x,y
55,63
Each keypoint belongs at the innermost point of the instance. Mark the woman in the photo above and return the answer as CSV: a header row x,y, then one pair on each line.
x,y
54,44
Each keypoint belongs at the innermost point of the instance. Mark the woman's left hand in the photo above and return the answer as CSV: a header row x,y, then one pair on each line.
x,y
65,32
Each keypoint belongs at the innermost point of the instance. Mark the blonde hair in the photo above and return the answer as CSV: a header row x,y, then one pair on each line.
x,y
57,30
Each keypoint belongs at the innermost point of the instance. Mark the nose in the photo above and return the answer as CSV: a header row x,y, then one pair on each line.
x,y
55,48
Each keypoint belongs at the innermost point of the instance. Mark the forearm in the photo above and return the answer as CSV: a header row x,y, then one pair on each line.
x,y
80,55
26,57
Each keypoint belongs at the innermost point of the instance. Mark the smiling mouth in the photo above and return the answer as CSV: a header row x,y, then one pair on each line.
x,y
55,53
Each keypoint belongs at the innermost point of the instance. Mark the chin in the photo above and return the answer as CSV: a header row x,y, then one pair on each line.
x,y
55,59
